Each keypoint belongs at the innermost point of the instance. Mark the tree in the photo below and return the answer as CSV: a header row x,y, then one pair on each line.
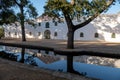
x,y
84,10
1,32
26,8
8,15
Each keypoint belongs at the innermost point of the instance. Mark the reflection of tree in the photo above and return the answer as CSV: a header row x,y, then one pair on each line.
x,y
22,55
70,65
95,60
9,56
30,60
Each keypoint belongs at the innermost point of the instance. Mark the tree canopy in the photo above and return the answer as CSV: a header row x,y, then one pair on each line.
x,y
26,11
9,10
6,12
83,10
17,10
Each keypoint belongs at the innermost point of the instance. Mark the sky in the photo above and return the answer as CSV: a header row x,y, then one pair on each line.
x,y
40,3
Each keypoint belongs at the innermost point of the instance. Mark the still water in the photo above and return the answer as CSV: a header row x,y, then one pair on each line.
x,y
59,63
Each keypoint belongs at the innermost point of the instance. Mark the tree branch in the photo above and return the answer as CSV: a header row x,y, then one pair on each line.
x,y
93,17
68,21
17,3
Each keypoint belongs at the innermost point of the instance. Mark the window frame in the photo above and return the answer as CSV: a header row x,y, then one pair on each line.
x,y
96,35
81,34
113,35
47,25
55,34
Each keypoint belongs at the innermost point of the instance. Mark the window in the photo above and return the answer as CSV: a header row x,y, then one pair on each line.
x,y
81,34
56,24
96,35
39,24
9,33
15,33
53,20
55,34
39,33
16,24
47,25
113,35
30,33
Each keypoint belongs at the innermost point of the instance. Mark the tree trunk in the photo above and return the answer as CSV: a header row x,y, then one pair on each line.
x,y
71,30
70,41
22,23
23,33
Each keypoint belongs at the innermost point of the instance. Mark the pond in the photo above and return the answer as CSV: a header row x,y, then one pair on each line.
x,y
49,60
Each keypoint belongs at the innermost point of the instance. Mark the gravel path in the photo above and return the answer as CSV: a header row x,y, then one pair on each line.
x,y
10,70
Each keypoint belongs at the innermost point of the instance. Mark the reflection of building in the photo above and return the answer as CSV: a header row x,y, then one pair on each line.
x,y
48,59
104,28
2,48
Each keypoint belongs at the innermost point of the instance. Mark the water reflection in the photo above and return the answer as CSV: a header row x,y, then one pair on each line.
x,y
49,60
22,55
9,56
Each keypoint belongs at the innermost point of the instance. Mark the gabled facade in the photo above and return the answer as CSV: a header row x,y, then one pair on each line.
x,y
103,28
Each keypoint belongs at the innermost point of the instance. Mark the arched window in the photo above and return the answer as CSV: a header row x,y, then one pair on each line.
x,y
47,25
47,34
81,34
96,35
113,35
56,23
39,33
55,34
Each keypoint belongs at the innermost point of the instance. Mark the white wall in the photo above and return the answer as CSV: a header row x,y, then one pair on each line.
x,y
104,25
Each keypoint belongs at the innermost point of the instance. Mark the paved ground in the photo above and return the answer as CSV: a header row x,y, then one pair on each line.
x,y
10,70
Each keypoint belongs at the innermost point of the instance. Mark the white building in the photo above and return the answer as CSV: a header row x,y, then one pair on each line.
x,y
104,28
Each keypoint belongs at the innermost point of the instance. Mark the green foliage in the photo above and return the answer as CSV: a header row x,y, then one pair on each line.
x,y
54,6
32,11
7,17
7,11
29,11
26,8
75,8
5,4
